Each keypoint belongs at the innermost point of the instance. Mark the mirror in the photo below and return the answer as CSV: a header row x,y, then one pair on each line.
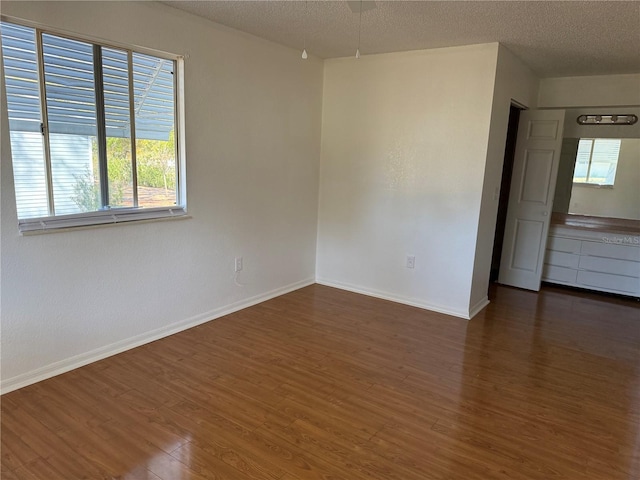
x,y
607,174
617,196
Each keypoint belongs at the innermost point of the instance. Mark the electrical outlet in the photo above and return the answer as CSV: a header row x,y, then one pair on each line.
x,y
238,264
411,261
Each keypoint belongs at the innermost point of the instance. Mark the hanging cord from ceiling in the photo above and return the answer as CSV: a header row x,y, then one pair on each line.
x,y
359,31
304,30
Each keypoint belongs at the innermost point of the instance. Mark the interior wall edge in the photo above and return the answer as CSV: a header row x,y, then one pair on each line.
x,y
478,307
77,361
514,82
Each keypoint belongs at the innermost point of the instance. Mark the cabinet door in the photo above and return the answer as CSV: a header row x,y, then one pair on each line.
x,y
562,244
563,275
613,266
609,283
611,250
562,259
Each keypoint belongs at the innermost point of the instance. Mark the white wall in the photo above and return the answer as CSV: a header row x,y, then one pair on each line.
x,y
514,82
590,91
621,201
404,145
253,123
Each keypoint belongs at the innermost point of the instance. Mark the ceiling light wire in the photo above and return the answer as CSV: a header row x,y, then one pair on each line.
x,y
359,30
304,30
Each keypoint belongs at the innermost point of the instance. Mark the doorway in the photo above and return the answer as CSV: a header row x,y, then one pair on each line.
x,y
505,188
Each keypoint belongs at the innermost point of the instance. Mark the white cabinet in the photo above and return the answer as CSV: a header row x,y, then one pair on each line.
x,y
596,260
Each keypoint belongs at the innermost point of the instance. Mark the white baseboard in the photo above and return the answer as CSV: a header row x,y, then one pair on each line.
x,y
77,361
394,298
473,311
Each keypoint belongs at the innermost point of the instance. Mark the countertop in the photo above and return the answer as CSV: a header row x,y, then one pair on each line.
x,y
622,226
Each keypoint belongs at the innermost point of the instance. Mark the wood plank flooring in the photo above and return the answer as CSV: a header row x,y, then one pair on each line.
x,y
326,384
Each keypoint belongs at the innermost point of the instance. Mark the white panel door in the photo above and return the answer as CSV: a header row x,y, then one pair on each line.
x,y
533,185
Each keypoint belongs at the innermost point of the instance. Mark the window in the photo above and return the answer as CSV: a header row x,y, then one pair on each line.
x,y
92,130
596,161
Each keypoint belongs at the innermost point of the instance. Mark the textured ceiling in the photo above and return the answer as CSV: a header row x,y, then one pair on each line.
x,y
555,38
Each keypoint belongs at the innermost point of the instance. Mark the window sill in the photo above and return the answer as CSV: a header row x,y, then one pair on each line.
x,y
61,223
591,185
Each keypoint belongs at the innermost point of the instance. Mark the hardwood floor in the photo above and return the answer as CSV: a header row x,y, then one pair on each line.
x,y
326,384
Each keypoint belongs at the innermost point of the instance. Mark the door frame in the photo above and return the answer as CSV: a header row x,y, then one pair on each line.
x,y
505,188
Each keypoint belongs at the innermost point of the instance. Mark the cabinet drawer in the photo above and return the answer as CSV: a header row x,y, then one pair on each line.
x,y
561,244
609,250
552,273
610,265
609,283
561,259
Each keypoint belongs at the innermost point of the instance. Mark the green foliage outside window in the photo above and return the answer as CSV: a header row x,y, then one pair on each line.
x,y
155,161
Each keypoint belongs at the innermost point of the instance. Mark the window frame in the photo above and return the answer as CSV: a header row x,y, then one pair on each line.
x,y
586,183
108,215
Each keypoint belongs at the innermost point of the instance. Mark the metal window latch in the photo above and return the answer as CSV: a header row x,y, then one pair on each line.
x,y
42,128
